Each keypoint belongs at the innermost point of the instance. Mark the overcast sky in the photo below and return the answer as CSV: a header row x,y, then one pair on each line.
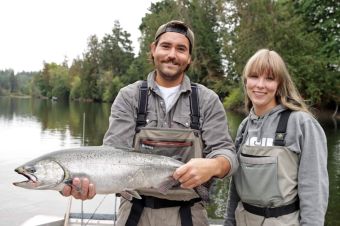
x,y
33,31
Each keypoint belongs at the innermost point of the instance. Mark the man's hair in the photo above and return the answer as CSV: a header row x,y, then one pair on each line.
x,y
179,27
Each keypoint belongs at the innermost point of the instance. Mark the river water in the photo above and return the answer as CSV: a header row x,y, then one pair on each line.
x,y
30,128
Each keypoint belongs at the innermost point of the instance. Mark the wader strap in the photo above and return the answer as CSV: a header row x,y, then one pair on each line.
x,y
239,140
195,113
281,128
185,214
142,106
272,212
280,133
135,212
157,203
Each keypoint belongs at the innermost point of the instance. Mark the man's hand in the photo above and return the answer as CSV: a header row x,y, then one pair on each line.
x,y
199,170
80,189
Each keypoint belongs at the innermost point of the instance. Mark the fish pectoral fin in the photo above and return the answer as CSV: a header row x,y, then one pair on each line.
x,y
165,186
129,194
68,182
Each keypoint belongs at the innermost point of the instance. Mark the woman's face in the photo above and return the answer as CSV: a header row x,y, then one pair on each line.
x,y
261,90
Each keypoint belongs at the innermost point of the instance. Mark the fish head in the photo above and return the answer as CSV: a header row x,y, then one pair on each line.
x,y
41,175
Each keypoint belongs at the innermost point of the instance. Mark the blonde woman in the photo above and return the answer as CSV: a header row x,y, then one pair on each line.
x,y
282,151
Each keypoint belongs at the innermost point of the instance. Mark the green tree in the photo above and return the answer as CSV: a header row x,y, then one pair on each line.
x,y
5,81
207,65
111,86
90,69
116,52
24,81
75,83
60,81
274,25
14,83
42,84
323,17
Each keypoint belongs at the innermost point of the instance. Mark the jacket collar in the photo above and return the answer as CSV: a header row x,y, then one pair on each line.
x,y
185,85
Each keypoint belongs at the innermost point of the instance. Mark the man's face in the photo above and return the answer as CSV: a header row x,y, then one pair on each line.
x,y
171,58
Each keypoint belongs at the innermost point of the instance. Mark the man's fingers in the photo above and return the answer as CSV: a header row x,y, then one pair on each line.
x,y
92,191
80,189
84,189
180,171
66,191
191,183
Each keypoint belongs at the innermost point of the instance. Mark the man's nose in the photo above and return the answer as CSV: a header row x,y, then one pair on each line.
x,y
172,53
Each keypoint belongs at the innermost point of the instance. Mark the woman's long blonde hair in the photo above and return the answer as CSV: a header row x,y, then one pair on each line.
x,y
268,61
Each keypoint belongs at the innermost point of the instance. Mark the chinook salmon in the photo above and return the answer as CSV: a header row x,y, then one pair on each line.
x,y
111,170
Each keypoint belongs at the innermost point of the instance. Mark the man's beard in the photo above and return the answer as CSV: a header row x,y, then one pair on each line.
x,y
168,74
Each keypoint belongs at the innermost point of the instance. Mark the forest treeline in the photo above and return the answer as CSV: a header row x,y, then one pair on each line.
x,y
227,32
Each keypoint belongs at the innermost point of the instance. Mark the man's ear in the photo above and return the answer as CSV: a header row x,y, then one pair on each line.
x,y
152,48
189,60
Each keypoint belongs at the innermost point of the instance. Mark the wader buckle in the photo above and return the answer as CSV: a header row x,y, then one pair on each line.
x,y
267,213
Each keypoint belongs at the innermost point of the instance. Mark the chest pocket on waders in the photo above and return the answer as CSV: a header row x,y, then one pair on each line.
x,y
180,144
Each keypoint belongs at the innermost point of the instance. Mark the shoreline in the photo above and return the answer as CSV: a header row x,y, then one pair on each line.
x,y
323,112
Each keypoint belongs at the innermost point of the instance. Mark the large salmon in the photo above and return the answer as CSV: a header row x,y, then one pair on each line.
x,y
111,170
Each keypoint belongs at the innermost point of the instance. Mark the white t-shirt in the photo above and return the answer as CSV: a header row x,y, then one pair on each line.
x,y
168,95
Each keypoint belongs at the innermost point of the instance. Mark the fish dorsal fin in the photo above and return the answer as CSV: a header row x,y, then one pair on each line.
x,y
129,194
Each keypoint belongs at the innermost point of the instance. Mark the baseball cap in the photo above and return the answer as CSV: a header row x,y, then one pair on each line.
x,y
179,27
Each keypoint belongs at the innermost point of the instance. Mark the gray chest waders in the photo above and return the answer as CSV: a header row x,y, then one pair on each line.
x,y
267,212
183,141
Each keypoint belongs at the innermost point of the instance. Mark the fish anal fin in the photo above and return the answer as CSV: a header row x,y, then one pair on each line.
x,y
167,185
129,194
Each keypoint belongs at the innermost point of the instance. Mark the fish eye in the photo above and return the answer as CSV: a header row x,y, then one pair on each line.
x,y
30,169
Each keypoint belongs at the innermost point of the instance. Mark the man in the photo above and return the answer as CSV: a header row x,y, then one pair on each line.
x,y
168,115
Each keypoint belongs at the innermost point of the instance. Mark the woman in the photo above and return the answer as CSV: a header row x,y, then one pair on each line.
x,y
282,178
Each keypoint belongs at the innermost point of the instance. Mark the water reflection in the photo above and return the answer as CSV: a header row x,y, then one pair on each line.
x,y
30,127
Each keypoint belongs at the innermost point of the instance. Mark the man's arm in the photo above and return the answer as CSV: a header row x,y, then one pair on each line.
x,y
122,119
215,131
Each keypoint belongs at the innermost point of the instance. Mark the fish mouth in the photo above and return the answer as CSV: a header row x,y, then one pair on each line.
x,y
31,178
